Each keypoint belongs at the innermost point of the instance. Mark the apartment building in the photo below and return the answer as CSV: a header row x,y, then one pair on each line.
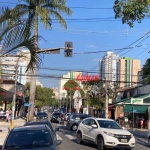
x,y
108,66
128,72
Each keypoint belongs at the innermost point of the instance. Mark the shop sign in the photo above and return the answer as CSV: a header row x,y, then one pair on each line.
x,y
87,78
136,101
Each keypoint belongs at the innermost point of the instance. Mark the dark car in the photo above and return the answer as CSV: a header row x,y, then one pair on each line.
x,y
54,117
42,115
74,119
44,122
31,137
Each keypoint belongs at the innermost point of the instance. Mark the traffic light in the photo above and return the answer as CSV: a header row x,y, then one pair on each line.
x,y
68,49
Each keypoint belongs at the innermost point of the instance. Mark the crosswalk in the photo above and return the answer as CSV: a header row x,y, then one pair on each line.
x,y
67,135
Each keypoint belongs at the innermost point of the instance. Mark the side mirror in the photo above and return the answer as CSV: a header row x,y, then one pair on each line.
x,y
58,142
94,125
56,129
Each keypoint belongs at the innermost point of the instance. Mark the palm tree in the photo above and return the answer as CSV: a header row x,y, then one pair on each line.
x,y
15,34
44,11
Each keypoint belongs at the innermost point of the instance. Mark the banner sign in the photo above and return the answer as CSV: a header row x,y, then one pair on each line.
x,y
87,78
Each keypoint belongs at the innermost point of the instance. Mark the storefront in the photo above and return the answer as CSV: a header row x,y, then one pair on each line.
x,y
137,108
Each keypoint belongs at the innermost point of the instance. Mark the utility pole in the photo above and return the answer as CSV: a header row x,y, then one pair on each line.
x,y
106,96
14,96
133,118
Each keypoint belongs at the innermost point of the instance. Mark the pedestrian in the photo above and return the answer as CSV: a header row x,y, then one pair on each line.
x,y
10,115
7,115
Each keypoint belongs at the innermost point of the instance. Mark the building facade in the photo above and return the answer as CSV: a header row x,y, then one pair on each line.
x,y
108,66
9,67
128,72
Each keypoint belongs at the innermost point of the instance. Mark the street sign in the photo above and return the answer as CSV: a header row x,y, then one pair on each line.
x,y
49,51
135,111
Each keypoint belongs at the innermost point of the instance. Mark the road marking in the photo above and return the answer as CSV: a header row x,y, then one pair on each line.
x,y
70,137
58,137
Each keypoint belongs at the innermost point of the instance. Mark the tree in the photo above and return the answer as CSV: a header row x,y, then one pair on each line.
x,y
43,11
146,71
131,10
44,96
71,86
14,34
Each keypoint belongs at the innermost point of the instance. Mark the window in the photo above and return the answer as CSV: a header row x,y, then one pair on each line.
x,y
28,139
93,122
87,122
109,124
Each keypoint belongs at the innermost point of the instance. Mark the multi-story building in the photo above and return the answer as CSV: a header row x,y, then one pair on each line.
x,y
9,67
128,70
108,66
63,80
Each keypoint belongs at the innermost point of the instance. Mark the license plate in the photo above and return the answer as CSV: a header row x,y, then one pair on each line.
x,y
124,140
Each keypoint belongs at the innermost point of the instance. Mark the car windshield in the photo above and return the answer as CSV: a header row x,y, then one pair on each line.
x,y
42,114
29,139
109,124
56,114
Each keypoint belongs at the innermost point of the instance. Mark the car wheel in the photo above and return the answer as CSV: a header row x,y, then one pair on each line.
x,y
100,144
79,138
149,141
74,127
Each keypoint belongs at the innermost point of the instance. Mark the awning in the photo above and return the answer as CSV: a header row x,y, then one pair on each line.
x,y
137,108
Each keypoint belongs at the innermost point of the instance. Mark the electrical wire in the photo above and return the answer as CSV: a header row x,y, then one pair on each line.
x,y
60,77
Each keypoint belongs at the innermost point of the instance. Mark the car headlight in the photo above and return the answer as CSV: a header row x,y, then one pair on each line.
x,y
109,133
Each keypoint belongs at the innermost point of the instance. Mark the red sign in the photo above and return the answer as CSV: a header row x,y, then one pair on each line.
x,y
19,94
87,78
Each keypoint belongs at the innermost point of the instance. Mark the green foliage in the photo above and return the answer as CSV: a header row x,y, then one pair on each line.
x,y
44,96
146,71
131,10
14,34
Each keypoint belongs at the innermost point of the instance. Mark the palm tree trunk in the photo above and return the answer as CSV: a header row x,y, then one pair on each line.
x,y
34,71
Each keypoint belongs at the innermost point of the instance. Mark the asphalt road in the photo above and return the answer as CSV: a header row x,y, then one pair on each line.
x,y
69,141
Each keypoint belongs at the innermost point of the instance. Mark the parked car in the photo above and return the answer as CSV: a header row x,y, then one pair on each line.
x,y
31,137
148,138
54,117
42,115
105,133
2,114
44,122
67,115
74,119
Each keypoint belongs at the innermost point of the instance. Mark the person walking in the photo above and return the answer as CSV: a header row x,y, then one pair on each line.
x,y
10,115
7,115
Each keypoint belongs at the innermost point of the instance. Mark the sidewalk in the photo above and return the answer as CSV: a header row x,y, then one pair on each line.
x,y
4,126
139,132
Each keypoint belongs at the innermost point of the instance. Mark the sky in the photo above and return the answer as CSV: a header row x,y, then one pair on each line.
x,y
91,28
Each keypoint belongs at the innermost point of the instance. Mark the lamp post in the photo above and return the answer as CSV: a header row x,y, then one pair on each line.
x,y
133,118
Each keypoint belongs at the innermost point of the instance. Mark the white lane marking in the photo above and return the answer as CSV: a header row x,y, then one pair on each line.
x,y
58,137
70,137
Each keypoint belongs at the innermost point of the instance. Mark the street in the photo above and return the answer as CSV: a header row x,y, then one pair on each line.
x,y
69,141
68,138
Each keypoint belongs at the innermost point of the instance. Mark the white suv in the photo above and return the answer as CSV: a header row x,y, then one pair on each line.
x,y
106,133
148,138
